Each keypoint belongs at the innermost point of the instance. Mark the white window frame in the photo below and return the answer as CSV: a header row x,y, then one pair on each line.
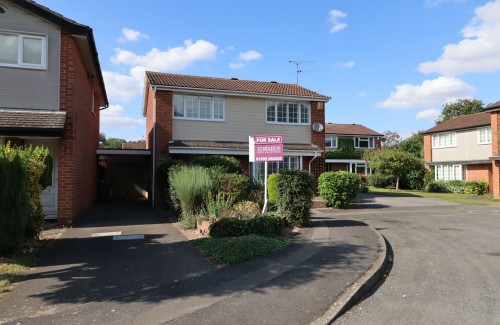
x,y
20,63
448,172
332,138
183,98
300,106
444,140
486,138
274,166
370,140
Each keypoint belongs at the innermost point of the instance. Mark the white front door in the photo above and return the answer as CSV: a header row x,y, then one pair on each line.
x,y
49,194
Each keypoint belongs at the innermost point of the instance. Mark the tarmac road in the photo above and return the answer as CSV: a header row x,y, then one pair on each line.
x,y
446,267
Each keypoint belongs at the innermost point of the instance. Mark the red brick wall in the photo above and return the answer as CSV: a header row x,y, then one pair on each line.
x,y
149,115
427,148
318,138
77,177
495,148
480,172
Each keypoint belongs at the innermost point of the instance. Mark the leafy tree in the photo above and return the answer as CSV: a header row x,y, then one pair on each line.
x,y
393,162
460,107
413,144
392,138
111,143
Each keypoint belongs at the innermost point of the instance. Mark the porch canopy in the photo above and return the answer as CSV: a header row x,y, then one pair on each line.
x,y
32,122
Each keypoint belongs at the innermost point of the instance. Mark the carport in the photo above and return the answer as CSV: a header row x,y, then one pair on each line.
x,y
124,175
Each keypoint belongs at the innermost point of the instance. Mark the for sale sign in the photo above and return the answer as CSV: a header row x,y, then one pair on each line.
x,y
265,147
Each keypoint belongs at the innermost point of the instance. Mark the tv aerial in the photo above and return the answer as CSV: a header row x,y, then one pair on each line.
x,y
297,64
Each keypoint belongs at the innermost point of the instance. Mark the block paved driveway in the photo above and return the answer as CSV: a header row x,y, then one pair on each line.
x,y
446,267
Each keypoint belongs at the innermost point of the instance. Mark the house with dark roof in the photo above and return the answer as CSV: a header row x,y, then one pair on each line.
x,y
51,91
344,144
460,148
191,115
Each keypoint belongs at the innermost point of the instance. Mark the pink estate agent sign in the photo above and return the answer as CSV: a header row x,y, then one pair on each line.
x,y
265,147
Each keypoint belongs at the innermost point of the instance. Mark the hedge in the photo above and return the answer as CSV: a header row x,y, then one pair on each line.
x,y
266,225
295,196
338,189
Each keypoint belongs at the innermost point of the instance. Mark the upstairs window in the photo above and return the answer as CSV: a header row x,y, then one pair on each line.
x,y
199,108
287,112
364,142
26,51
444,140
331,141
484,135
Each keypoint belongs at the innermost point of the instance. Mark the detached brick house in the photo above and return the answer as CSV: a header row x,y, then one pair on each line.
x,y
460,148
189,115
51,90
356,135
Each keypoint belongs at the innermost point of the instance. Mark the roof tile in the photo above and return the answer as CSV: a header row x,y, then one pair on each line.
x,y
350,129
31,119
462,122
230,85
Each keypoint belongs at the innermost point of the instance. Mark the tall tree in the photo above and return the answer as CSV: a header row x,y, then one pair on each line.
x,y
392,138
460,107
413,144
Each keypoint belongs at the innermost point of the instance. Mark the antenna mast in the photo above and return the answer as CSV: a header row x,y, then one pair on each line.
x,y
297,63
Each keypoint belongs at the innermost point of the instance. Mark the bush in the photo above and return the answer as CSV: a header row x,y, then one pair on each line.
x,y
231,227
14,205
190,185
455,186
272,188
220,203
476,188
226,163
414,180
233,185
162,177
257,192
295,196
338,189
436,187
381,181
246,210
429,177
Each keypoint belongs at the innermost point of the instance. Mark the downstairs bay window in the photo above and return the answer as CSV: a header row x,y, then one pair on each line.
x,y
288,163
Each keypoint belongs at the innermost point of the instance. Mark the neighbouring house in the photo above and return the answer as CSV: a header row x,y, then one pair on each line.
x,y
345,144
494,111
190,115
460,148
51,91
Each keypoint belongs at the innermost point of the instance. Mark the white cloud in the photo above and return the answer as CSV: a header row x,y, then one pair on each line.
x,y
349,64
249,56
236,65
430,93
122,87
430,113
362,94
114,118
245,57
334,18
174,59
131,35
479,51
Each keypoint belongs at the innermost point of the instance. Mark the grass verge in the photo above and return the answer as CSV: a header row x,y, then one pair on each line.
x,y
234,250
14,269
450,197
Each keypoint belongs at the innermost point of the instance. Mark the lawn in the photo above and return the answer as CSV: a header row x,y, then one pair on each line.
x,y
450,197
234,250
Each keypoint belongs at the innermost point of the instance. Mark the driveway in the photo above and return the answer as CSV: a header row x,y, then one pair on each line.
x,y
446,267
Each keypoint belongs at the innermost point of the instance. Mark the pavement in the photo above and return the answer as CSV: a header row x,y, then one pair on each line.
x,y
157,277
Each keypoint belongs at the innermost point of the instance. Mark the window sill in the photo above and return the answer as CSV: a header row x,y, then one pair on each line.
x,y
197,119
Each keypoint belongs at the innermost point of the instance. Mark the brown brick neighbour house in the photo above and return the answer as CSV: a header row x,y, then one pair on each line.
x,y
358,136
51,90
461,148
189,115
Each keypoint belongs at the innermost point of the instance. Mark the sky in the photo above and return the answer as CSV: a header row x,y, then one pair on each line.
x,y
389,65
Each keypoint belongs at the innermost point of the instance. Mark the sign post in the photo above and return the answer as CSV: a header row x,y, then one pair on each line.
x,y
264,148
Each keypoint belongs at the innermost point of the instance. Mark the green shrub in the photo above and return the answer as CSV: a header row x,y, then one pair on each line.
x,y
14,205
231,227
338,189
414,180
218,205
226,163
162,178
246,210
436,187
476,188
272,188
257,192
381,181
429,177
455,186
234,185
190,185
188,220
345,150
295,196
